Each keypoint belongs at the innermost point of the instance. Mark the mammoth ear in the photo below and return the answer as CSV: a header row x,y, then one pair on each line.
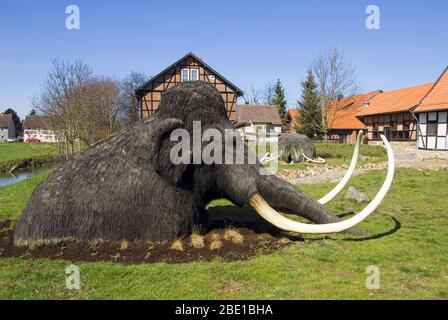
x,y
161,149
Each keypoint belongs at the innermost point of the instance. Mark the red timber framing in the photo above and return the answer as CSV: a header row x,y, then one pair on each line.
x,y
151,92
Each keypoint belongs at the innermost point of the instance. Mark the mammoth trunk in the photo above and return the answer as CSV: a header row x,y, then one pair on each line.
x,y
285,197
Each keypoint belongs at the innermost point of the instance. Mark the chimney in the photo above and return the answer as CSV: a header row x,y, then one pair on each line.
x,y
340,97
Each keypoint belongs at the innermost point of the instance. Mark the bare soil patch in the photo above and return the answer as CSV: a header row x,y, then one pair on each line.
x,y
254,242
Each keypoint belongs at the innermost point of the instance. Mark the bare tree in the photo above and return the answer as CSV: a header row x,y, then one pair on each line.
x,y
130,103
100,110
61,98
335,78
260,97
269,94
251,95
80,107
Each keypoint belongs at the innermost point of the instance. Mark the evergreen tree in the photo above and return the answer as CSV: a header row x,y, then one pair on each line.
x,y
310,116
16,119
32,112
279,98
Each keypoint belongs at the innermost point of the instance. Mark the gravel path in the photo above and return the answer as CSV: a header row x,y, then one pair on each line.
x,y
406,156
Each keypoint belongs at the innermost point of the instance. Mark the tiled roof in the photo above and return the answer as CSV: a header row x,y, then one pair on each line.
x,y
395,101
293,115
35,122
257,114
437,98
5,120
342,113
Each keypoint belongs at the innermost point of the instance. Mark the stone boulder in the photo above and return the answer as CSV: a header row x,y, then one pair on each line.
x,y
354,194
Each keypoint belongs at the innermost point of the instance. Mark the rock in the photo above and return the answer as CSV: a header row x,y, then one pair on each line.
x,y
363,158
356,195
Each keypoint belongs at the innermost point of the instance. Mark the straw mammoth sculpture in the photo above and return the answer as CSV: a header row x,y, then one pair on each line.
x,y
127,187
294,147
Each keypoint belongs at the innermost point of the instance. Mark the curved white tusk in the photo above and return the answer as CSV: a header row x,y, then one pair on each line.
x,y
265,210
341,185
266,156
319,160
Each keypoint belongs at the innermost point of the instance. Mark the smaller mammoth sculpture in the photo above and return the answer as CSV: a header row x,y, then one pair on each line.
x,y
294,147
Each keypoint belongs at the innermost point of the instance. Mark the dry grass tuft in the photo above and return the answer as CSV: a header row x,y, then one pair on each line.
x,y
215,236
233,235
177,245
197,241
284,241
124,245
216,245
34,244
151,247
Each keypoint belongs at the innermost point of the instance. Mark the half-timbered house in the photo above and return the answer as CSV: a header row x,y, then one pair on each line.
x,y
432,115
188,68
388,113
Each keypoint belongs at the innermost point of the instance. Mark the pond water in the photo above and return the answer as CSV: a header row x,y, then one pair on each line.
x,y
9,178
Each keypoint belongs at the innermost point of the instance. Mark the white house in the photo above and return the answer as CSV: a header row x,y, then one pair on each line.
x,y
37,127
432,115
258,120
7,127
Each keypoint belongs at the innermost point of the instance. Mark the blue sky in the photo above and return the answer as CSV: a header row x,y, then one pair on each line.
x,y
249,42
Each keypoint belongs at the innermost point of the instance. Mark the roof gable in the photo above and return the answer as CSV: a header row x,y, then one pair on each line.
x,y
6,120
437,97
293,116
35,122
141,89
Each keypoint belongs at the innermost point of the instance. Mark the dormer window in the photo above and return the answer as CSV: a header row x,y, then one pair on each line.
x,y
185,75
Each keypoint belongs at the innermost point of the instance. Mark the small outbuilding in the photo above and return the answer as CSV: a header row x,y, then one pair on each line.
x,y
258,119
7,127
292,121
37,127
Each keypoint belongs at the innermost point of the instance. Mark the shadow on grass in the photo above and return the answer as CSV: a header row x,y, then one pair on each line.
x,y
395,228
231,216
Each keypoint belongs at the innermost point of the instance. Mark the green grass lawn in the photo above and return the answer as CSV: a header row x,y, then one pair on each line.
x,y
408,244
340,154
15,153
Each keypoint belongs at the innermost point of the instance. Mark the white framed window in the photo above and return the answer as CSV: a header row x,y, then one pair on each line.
x,y
194,74
185,75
